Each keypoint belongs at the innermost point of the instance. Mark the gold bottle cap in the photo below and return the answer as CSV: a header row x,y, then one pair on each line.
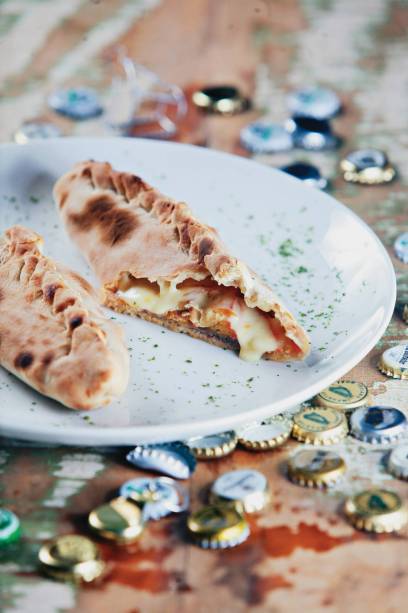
x,y
246,486
394,362
213,446
261,437
368,167
376,510
343,395
72,558
315,467
119,520
218,526
220,99
319,425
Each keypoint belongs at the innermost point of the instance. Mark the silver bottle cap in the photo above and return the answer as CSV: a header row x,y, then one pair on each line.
x,y
173,459
265,137
317,102
398,462
36,130
157,497
246,486
378,424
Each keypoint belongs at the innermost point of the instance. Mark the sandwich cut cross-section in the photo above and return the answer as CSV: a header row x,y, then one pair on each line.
x,y
155,260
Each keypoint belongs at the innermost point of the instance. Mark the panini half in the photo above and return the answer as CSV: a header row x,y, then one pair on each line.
x,y
53,334
157,261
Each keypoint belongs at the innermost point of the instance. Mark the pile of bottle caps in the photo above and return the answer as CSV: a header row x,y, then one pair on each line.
x,y
343,408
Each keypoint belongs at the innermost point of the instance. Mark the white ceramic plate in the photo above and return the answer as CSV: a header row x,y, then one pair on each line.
x,y
327,265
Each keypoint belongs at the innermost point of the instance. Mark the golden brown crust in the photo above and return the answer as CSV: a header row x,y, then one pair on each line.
x,y
53,334
122,224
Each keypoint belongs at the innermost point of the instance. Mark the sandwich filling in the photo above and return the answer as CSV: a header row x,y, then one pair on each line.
x,y
206,304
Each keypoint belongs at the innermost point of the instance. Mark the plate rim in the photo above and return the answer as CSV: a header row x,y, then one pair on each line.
x,y
102,436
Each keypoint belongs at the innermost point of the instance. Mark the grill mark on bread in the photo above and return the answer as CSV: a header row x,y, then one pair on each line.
x,y
205,248
49,292
115,224
65,304
24,360
76,321
47,358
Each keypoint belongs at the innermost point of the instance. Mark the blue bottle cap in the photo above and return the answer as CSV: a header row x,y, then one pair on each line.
x,y
316,102
307,173
265,137
173,459
157,497
401,247
311,134
76,103
378,424
361,159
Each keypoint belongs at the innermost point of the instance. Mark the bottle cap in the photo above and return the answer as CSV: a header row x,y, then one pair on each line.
x,y
76,102
246,486
260,437
398,462
119,520
315,467
220,99
367,166
402,310
213,446
71,557
378,424
36,130
10,528
343,395
316,102
307,173
401,247
157,497
218,526
319,425
311,134
394,362
265,137
376,510
173,459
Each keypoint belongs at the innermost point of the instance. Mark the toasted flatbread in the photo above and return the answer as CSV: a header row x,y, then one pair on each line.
x,y
53,334
155,260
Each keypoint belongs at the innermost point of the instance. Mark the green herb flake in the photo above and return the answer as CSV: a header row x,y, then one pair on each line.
x,y
288,249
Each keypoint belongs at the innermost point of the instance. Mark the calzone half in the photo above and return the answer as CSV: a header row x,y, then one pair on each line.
x,y
53,334
157,261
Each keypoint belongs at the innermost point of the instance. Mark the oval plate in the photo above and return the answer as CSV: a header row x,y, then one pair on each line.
x,y
320,257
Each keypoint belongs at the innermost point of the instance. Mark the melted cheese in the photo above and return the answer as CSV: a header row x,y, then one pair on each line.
x,y
253,332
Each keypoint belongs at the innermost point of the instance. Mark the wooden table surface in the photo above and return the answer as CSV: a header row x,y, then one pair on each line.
x,y
302,554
